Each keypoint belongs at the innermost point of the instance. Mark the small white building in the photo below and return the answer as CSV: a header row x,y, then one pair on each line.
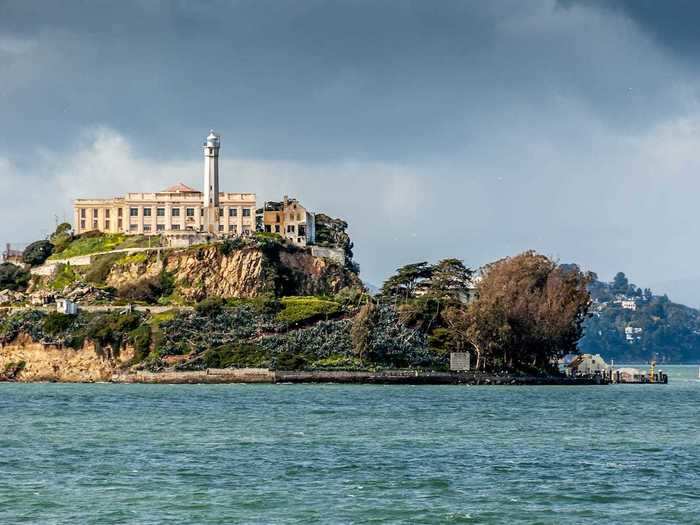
x,y
64,306
629,304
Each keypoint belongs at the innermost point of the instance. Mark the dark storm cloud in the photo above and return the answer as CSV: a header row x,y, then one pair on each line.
x,y
474,129
672,22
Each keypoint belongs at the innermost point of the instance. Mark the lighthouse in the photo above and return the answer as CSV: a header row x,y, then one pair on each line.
x,y
211,183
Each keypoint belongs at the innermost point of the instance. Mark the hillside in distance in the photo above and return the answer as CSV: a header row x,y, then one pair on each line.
x,y
630,324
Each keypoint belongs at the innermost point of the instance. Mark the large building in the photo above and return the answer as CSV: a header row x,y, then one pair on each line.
x,y
175,210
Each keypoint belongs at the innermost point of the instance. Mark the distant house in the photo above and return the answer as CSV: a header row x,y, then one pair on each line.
x,y
632,333
629,304
587,364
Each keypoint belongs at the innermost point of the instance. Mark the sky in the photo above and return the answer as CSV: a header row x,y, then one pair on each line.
x,y
464,129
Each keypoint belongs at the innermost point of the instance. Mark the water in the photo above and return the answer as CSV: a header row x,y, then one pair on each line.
x,y
113,454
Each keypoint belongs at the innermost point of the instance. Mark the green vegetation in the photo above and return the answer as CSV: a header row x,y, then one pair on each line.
x,y
528,313
13,277
61,237
100,268
65,276
95,242
296,310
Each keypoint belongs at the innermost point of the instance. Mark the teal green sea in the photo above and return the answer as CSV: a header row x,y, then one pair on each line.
x,y
201,454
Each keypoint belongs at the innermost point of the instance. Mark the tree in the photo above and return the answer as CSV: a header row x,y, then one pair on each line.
x,y
13,277
404,283
450,280
529,312
620,284
61,237
37,252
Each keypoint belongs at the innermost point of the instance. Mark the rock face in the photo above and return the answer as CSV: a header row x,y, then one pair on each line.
x,y
206,271
49,363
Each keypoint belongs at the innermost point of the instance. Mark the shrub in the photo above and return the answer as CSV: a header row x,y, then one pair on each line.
x,y
241,355
147,290
100,268
65,276
112,330
13,277
290,361
210,306
231,245
304,309
37,252
266,304
56,323
140,338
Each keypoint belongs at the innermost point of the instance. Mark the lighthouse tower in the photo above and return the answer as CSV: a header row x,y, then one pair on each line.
x,y
211,183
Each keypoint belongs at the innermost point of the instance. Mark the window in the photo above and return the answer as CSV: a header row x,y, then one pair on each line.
x,y
82,224
147,227
221,212
107,213
277,228
233,228
246,212
160,212
133,227
201,212
119,212
160,227
175,212
302,230
232,212
82,213
221,227
94,213
95,226
268,228
277,218
290,228
147,212
119,224
107,224
133,212
190,212
175,226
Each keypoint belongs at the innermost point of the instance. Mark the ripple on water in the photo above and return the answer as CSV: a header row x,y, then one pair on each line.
x,y
348,454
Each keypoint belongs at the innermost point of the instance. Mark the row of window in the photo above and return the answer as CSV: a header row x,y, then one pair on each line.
x,y
96,226
160,212
290,229
189,212
233,228
83,213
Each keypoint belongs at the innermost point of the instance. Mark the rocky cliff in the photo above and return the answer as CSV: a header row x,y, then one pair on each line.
x,y
210,271
26,361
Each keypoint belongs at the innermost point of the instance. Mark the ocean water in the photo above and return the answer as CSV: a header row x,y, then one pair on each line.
x,y
201,454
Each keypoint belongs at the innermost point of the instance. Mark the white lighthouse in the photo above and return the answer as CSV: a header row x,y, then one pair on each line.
x,y
211,182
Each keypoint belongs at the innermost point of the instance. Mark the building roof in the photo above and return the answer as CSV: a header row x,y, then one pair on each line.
x,y
179,188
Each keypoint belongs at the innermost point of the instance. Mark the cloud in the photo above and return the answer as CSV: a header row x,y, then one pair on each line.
x,y
467,129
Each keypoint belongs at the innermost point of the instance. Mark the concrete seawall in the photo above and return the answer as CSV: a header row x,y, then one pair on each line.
x,y
399,377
